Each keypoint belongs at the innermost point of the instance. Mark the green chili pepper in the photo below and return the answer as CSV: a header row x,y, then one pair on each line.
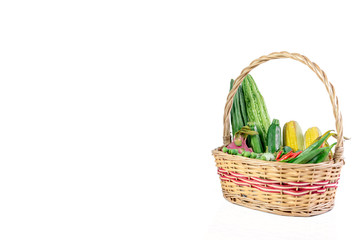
x,y
321,157
315,145
304,158
310,149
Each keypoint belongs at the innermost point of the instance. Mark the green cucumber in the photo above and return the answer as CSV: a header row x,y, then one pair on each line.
x,y
254,140
235,114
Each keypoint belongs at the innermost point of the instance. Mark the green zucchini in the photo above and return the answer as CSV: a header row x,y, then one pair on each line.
x,y
256,108
235,114
274,136
254,140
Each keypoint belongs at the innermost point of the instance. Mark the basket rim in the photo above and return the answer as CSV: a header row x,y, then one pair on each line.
x,y
252,161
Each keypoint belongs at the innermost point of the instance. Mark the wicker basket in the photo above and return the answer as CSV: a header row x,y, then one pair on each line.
x,y
280,188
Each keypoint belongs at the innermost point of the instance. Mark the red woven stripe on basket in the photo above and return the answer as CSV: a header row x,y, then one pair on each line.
x,y
271,186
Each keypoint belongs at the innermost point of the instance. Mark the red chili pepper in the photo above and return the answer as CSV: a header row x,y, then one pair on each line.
x,y
278,155
286,156
292,156
296,154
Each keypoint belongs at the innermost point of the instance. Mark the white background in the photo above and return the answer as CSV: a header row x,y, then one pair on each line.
x,y
109,111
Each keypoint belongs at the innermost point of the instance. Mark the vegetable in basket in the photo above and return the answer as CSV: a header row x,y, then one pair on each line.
x,y
243,147
233,151
235,114
315,156
311,135
253,155
323,155
268,156
311,151
240,139
287,149
293,136
325,143
278,154
285,156
256,108
318,143
242,104
246,154
254,140
304,158
274,136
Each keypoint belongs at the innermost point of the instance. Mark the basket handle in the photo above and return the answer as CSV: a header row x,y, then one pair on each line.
x,y
315,68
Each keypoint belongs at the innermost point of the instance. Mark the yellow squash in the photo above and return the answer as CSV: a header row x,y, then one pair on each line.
x,y
311,135
293,136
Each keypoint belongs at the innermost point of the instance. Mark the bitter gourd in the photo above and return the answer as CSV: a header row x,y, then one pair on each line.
x,y
256,108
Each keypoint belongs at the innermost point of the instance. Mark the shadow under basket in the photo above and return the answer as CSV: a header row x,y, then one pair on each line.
x,y
276,187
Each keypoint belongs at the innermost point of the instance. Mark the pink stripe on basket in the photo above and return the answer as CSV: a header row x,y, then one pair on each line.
x,y
250,181
229,176
267,189
238,175
298,184
296,193
320,190
321,183
264,180
331,185
313,188
224,178
240,183
282,187
222,170
271,186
